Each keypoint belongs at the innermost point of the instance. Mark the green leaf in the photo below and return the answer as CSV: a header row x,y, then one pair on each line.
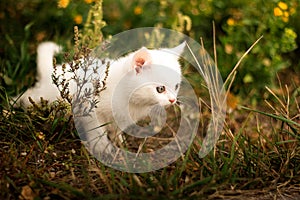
x,y
248,78
7,80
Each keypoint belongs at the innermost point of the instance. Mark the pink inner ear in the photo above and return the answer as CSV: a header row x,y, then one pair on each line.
x,y
139,62
141,58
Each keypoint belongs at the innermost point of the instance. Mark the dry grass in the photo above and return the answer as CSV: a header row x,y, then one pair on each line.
x,y
257,156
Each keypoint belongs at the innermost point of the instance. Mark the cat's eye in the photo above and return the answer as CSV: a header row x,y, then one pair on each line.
x,y
176,86
160,89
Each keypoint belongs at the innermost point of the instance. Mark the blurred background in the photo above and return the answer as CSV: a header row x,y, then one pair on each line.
x,y
239,23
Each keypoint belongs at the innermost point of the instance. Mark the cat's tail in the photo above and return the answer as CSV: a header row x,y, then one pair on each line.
x,y
45,55
43,87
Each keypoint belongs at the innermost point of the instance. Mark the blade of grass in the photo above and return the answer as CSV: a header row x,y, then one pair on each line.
x,y
193,185
240,60
272,115
62,186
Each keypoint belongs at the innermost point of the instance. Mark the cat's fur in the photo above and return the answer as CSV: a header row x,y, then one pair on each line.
x,y
44,86
132,83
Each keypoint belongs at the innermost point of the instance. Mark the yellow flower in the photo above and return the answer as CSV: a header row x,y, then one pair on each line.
x,y
138,10
282,5
88,1
286,14
63,3
277,12
231,22
285,19
292,11
78,19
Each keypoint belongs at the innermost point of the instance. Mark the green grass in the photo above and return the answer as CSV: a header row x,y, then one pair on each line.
x,y
257,155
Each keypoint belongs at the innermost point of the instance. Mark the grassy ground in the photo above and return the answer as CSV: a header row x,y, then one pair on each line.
x,y
256,157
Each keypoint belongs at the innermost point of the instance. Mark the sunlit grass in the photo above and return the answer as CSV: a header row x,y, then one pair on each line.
x,y
257,151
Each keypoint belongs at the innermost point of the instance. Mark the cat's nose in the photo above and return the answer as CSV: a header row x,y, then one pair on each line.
x,y
172,100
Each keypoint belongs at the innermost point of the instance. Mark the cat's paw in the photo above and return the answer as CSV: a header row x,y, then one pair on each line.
x,y
101,147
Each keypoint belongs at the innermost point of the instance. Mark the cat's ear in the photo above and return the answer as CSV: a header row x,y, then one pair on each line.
x,y
178,50
140,59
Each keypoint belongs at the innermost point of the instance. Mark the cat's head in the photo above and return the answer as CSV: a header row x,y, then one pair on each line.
x,y
157,76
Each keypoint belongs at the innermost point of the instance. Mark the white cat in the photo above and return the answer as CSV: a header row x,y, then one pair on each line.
x,y
135,83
